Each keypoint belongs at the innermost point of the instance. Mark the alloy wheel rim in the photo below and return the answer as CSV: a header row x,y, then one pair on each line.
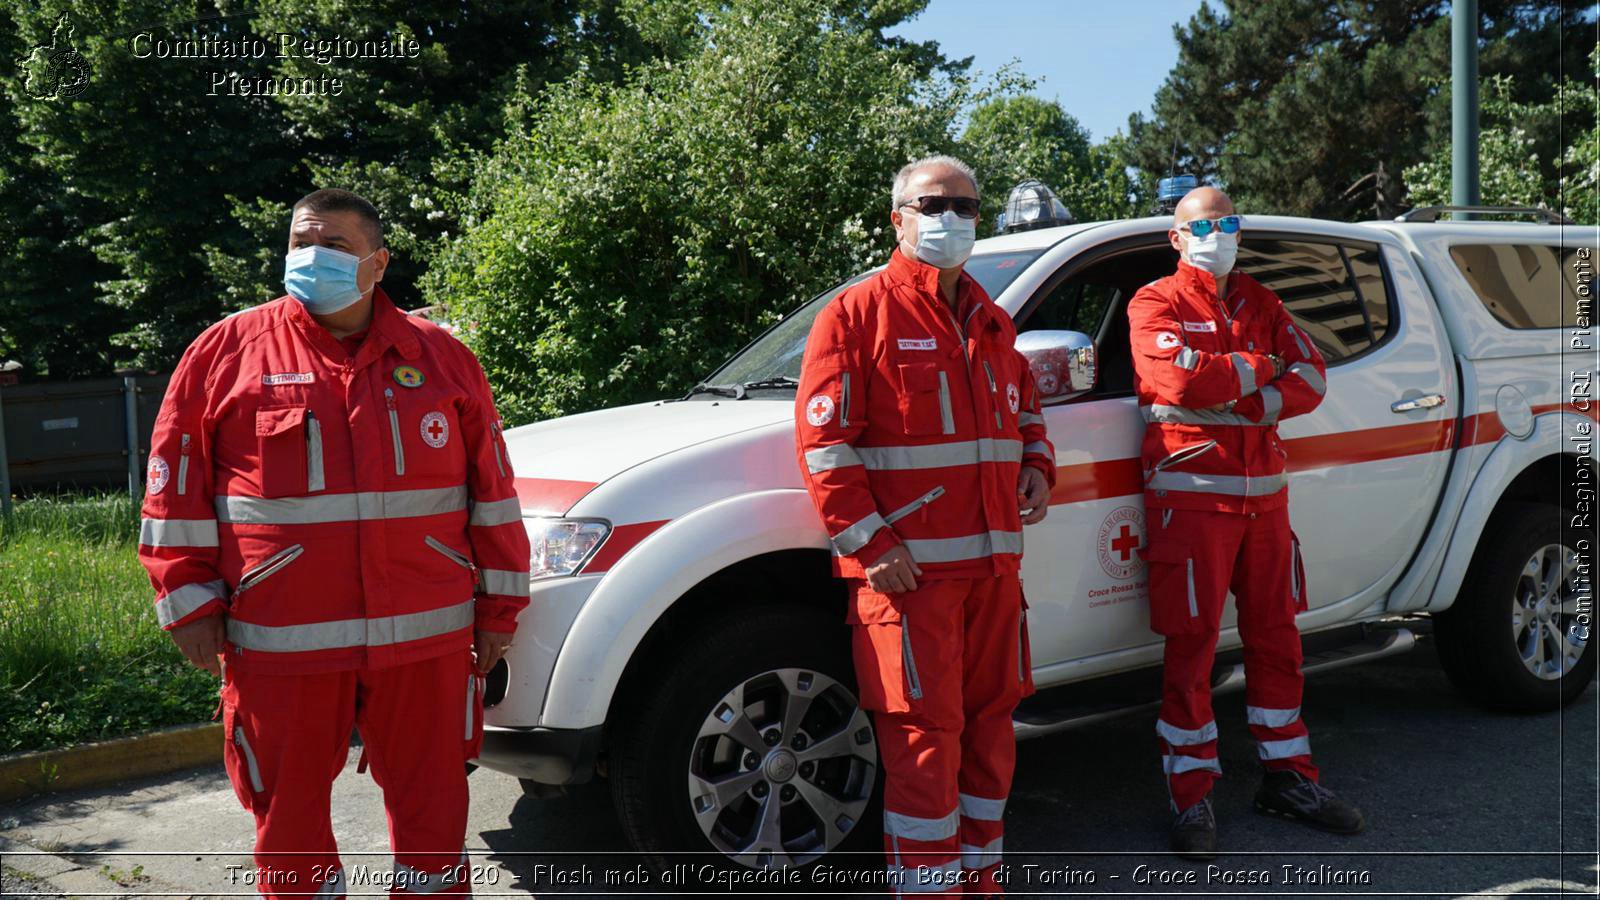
x,y
1544,613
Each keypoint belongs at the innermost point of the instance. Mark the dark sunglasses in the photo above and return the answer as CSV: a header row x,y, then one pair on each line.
x,y
965,207
1202,227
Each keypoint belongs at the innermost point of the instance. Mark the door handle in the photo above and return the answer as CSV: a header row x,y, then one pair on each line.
x,y
1426,401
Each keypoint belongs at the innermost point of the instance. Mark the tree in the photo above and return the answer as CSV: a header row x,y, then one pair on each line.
x,y
1316,107
626,237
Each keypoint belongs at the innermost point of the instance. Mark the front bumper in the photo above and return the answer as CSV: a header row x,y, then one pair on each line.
x,y
541,630
545,755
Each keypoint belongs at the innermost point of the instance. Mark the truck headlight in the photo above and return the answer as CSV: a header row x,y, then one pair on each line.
x,y
562,546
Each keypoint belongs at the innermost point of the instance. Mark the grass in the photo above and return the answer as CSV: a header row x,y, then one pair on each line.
x,y
82,657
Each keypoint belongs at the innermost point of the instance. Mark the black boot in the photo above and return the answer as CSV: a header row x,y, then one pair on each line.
x,y
1289,794
1194,832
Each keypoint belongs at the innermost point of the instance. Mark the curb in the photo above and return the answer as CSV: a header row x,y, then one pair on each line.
x,y
108,762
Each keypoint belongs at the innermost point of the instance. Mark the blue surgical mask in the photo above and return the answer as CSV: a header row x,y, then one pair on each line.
x,y
323,279
945,241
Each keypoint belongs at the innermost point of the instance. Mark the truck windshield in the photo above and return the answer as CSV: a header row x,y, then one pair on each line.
x,y
772,361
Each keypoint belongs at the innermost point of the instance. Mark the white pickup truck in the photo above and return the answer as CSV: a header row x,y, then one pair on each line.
x,y
686,639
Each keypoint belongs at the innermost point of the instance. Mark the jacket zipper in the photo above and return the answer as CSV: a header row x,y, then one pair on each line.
x,y
1194,609
1294,572
449,553
994,395
1185,454
914,505
268,568
910,661
472,694
243,744
183,465
1022,642
314,475
844,401
394,431
494,440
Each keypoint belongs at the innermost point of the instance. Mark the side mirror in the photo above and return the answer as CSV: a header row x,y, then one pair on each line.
x,y
1064,363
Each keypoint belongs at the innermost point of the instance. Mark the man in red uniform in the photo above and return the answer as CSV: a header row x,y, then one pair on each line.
x,y
923,447
1218,363
329,506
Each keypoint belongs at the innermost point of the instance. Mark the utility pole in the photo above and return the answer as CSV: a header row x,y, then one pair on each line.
x,y
1464,103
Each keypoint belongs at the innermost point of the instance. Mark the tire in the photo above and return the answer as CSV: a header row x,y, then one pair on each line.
x,y
672,734
1490,640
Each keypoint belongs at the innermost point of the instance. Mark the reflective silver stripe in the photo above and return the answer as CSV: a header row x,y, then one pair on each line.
x,y
504,582
945,412
1039,447
914,505
1176,764
1247,375
972,546
448,551
1309,374
1183,415
183,466
243,744
1300,746
1194,610
1294,572
394,433
1028,418
178,532
332,887
377,632
314,476
986,808
340,507
1295,333
1184,454
1271,718
908,661
833,456
1186,737
973,857
938,456
185,600
919,829
1235,485
1188,358
494,441
472,694
926,879
856,536
268,567
495,512
1271,405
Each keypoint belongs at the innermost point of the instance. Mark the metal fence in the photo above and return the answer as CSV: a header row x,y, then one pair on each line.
x,y
77,434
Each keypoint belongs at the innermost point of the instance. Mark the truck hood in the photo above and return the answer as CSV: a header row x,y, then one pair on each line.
x,y
560,460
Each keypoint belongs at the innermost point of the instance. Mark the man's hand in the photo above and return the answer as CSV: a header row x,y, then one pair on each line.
x,y
201,641
1033,495
894,573
489,646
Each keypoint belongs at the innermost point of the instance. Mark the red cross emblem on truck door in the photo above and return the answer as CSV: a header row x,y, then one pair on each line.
x,y
1125,543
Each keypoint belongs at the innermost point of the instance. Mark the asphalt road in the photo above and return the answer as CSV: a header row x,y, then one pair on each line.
x,y
1461,802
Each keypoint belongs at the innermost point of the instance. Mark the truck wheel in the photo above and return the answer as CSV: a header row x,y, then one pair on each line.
x,y
747,741
1513,639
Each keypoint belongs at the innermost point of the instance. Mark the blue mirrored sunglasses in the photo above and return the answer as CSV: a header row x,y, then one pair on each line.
x,y
1202,227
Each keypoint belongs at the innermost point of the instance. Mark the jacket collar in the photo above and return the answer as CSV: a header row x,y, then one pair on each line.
x,y
923,279
390,326
1196,277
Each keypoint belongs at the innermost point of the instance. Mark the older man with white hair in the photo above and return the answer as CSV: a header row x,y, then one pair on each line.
x,y
923,447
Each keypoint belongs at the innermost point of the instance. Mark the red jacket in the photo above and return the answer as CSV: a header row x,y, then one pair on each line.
x,y
342,514
912,427
1192,353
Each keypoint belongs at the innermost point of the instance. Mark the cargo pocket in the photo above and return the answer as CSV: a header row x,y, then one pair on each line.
x,y
1174,606
885,661
239,758
1297,575
282,446
1024,650
925,399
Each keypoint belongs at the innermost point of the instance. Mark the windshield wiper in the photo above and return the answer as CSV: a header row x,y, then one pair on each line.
x,y
736,391
782,381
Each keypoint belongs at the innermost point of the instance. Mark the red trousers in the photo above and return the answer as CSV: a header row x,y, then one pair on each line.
x,y
288,737
942,668
1195,558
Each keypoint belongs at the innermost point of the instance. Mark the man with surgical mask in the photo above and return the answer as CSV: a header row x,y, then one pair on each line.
x,y
1218,363
329,508
922,444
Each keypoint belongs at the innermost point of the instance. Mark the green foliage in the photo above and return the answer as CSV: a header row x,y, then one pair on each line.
x,y
627,237
1316,107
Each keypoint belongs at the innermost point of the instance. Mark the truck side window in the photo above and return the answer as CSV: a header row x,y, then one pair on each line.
x,y
1336,293
1523,285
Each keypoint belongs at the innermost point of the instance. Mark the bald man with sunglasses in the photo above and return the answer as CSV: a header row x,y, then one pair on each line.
x,y
1218,363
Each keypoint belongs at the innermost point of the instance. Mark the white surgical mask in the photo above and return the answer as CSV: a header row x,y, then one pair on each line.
x,y
1215,252
945,241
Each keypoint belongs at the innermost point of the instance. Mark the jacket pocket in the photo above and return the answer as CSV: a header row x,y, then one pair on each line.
x,y
268,567
449,552
881,648
1024,650
1174,601
924,400
394,431
1185,454
1297,575
315,479
281,444
183,464
915,505
472,738
239,759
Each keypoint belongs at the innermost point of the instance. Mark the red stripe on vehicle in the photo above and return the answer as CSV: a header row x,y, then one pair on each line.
x,y
1097,480
1369,444
623,538
549,496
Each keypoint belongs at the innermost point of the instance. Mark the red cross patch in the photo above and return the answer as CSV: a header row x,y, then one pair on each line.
x,y
819,410
435,429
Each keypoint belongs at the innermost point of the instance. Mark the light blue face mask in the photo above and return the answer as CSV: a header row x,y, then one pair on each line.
x,y
323,279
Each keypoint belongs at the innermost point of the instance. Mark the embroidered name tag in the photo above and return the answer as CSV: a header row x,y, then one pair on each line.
x,y
288,378
1199,326
919,344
